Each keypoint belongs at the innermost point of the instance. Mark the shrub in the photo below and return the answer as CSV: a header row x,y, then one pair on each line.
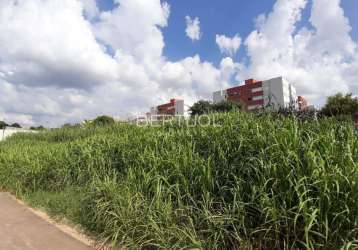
x,y
69,125
226,106
205,107
103,121
200,108
15,125
3,125
39,128
341,106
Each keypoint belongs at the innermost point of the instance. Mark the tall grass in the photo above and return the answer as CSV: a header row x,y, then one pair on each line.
x,y
254,182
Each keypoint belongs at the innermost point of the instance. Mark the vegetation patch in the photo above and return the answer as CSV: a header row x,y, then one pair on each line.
x,y
258,181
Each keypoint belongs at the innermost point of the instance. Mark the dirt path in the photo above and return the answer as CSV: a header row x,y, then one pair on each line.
x,y
22,229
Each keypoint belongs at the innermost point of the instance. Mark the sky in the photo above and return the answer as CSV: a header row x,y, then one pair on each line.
x,y
68,60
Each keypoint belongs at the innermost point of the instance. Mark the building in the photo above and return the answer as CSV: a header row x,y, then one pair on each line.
x,y
276,93
9,131
303,104
174,108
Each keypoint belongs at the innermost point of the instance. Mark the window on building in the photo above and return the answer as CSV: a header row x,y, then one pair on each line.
x,y
257,90
257,98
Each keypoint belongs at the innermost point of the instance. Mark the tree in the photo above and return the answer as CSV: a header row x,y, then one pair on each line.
x,y
104,121
205,107
201,107
226,106
39,128
341,105
3,125
15,125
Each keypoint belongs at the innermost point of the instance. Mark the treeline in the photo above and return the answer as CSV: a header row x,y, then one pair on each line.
x,y
339,106
205,107
3,125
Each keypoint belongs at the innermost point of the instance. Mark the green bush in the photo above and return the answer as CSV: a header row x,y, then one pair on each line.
x,y
15,125
226,106
341,106
3,125
103,121
200,108
204,107
38,128
249,182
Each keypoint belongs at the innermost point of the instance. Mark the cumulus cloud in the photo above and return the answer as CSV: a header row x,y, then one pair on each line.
x,y
134,27
55,66
193,28
49,43
230,70
90,8
319,60
228,45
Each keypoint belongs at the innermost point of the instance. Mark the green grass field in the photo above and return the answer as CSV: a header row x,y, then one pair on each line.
x,y
254,182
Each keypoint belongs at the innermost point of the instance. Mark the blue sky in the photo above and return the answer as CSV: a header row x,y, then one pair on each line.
x,y
227,17
56,68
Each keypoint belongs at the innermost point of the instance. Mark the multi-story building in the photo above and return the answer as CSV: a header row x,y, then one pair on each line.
x,y
276,93
174,108
302,103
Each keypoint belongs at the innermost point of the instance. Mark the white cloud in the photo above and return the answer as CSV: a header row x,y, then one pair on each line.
x,y
193,28
228,45
49,43
320,61
134,27
229,70
54,66
90,8
333,21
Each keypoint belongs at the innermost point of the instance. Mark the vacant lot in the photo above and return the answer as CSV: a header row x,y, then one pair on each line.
x,y
257,181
